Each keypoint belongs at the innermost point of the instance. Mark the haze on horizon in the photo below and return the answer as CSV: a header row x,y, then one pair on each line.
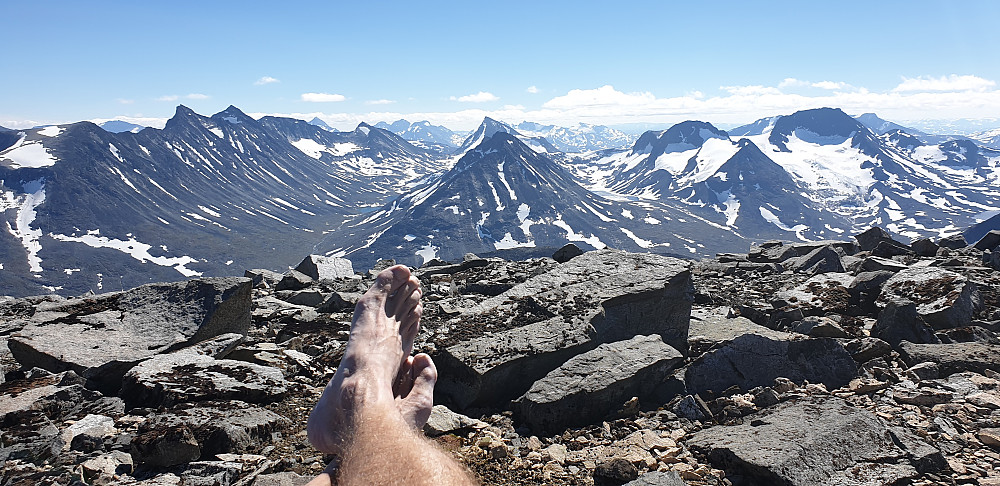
x,y
652,63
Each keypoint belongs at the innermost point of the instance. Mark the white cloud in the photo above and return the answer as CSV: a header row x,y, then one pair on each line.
x,y
754,90
124,101
266,80
952,82
168,98
480,97
532,89
792,83
380,102
322,97
603,96
831,85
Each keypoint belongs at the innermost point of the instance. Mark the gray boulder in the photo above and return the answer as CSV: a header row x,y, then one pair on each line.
x,y
103,336
954,357
899,321
443,421
817,440
600,296
953,242
263,277
658,478
190,433
183,377
753,360
820,294
591,385
567,253
320,267
924,247
707,330
868,240
865,289
821,260
880,264
778,251
944,299
989,241
293,280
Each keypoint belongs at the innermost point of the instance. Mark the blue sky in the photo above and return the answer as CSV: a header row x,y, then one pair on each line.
x,y
454,62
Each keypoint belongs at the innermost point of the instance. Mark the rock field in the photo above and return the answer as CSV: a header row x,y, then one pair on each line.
x,y
861,362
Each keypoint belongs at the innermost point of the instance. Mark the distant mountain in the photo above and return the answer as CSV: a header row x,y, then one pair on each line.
x,y
836,176
423,131
92,210
880,126
501,195
579,138
320,123
988,138
490,127
756,128
118,126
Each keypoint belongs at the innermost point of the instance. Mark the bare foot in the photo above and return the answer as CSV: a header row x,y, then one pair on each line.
x,y
376,367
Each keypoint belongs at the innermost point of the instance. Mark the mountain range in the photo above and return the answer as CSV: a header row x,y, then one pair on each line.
x,y
87,208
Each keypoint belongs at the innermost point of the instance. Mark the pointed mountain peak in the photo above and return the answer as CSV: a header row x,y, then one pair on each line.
x,y
233,115
320,123
364,129
183,115
486,129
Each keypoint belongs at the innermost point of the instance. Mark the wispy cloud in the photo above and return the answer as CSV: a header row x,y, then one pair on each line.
x,y
124,101
322,97
532,89
480,97
266,80
380,102
952,82
168,98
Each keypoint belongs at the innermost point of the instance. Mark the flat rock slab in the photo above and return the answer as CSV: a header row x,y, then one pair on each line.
x,y
591,385
630,293
944,299
187,434
954,357
822,293
101,337
326,268
708,330
600,296
817,440
658,478
499,367
181,377
754,360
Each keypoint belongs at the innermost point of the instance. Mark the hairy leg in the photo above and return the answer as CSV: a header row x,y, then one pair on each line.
x,y
372,410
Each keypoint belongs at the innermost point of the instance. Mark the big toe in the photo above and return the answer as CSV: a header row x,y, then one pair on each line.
x,y
421,396
390,280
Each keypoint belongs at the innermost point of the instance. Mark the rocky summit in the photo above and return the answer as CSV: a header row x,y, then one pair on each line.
x,y
866,361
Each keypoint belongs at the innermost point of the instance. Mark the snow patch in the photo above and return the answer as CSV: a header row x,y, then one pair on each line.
x,y
309,147
50,131
30,155
427,253
628,214
217,131
508,242
135,249
773,219
639,241
33,197
571,235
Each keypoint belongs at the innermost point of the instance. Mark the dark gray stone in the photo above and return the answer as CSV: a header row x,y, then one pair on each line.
x,y
924,247
867,348
567,253
294,280
282,479
752,360
868,240
658,478
989,241
954,357
891,248
900,321
820,327
943,299
306,297
777,251
591,385
821,260
708,330
865,289
815,440
102,337
200,432
338,301
183,377
880,264
953,242
263,277
320,267
969,334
